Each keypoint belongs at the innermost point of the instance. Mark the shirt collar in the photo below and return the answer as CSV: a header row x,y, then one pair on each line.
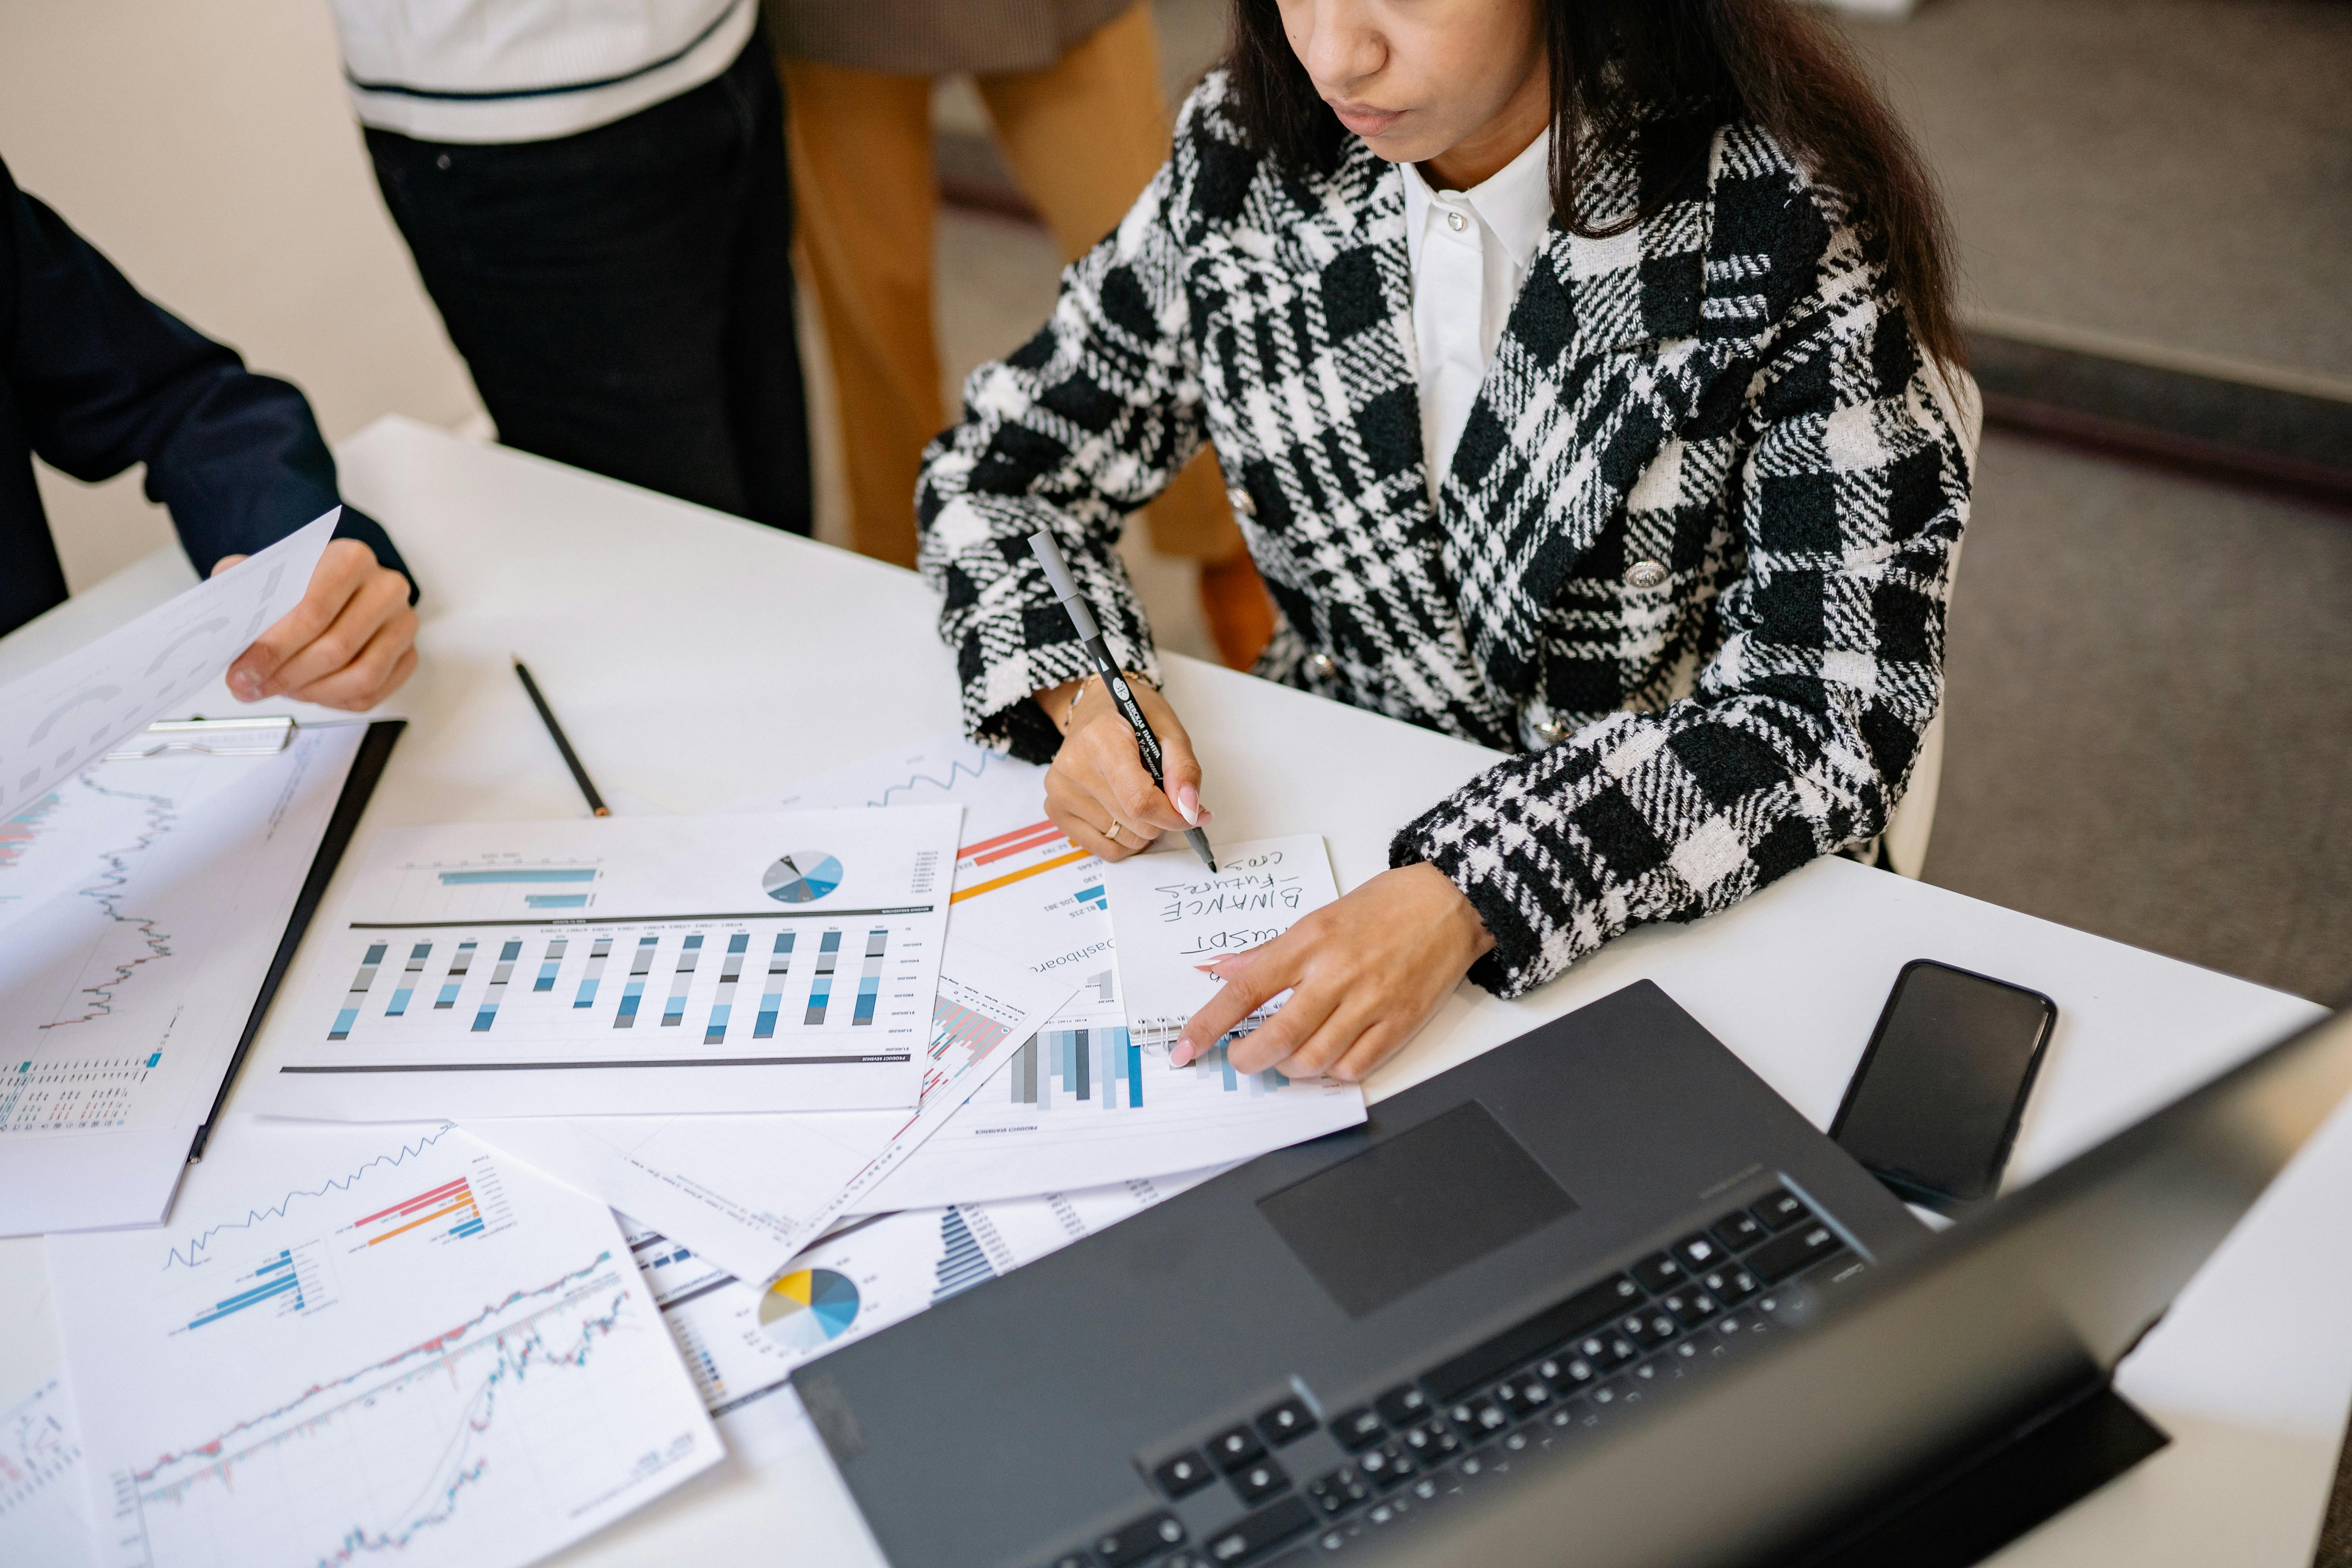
x,y
1514,202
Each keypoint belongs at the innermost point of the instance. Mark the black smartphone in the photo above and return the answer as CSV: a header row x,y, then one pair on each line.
x,y
1934,1107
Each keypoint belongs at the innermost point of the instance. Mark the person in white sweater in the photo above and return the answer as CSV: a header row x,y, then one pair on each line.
x,y
596,195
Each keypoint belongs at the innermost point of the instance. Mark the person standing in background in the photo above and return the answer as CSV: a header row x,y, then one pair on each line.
x,y
596,195
1073,90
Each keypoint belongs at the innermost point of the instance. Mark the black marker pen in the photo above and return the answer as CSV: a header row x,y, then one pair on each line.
x,y
1057,573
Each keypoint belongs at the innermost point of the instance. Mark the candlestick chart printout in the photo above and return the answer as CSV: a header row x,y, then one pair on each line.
x,y
783,962
751,1191
141,903
368,1344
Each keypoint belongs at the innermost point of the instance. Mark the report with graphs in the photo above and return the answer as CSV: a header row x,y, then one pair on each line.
x,y
368,1344
782,962
141,901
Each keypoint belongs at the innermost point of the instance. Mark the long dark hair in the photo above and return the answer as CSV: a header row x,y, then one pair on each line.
x,y
1691,66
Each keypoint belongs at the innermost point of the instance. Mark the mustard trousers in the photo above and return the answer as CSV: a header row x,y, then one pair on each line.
x,y
1083,136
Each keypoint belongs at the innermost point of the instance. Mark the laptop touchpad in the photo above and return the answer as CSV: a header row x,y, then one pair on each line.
x,y
1415,1207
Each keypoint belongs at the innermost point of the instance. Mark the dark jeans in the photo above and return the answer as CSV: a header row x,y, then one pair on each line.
x,y
624,296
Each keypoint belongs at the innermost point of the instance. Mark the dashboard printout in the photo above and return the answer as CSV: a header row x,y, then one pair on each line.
x,y
785,962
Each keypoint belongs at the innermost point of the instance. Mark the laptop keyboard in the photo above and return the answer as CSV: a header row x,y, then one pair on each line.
x,y
1535,1387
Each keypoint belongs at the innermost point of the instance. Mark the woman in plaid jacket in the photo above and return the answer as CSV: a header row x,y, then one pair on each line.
x,y
1685,555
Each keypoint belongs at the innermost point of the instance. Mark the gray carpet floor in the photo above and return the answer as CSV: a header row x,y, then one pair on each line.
x,y
2151,715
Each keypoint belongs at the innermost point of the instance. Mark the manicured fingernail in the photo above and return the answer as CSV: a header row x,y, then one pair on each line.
x,y
1180,1053
246,684
1188,806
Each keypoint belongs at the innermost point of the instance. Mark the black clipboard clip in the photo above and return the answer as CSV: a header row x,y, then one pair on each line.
x,y
367,767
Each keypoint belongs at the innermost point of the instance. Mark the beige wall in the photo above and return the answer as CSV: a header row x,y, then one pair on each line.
x,y
206,146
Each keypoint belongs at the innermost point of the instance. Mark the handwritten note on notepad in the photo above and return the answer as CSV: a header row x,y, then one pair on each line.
x,y
1170,915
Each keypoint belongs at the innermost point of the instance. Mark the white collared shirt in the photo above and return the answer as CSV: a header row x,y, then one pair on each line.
x,y
1469,253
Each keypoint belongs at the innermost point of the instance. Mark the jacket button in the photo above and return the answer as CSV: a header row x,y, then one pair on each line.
x,y
1552,732
1323,664
1644,575
1239,499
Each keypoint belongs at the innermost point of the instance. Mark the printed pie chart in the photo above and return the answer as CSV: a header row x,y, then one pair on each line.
x,y
802,877
803,1311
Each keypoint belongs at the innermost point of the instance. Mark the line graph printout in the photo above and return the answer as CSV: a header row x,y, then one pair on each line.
x,y
143,902
783,962
1086,1104
475,1386
740,1342
1038,894
748,1192
41,1517
68,714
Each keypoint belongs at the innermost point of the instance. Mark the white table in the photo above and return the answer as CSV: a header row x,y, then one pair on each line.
x,y
694,658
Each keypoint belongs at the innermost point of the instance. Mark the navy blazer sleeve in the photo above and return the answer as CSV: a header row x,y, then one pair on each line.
x,y
99,377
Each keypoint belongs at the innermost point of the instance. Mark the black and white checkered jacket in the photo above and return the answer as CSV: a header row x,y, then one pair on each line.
x,y
1689,564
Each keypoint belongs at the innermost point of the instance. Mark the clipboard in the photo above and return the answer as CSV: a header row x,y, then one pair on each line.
x,y
248,737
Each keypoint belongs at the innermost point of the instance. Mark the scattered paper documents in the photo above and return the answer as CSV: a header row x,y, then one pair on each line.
x,y
597,967
741,1344
1173,916
144,900
41,1490
69,713
1084,1104
355,1343
750,1191
1038,894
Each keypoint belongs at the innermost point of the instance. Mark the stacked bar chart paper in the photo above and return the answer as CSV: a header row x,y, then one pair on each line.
x,y
1085,1102
751,1191
361,1345
748,964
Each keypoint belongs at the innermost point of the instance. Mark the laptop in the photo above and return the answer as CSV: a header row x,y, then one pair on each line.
x,y
1597,1293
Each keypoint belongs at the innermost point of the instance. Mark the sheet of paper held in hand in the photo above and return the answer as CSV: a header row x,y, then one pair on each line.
x,y
599,966
368,1343
68,714
1080,1105
750,1192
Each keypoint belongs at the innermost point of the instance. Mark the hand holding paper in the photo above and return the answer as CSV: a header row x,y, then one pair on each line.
x,y
348,643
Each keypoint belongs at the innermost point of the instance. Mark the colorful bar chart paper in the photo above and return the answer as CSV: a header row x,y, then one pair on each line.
x,y
408,979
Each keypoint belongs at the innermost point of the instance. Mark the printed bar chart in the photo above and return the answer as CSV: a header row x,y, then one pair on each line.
x,y
488,1013
458,967
962,1264
508,875
869,980
681,980
275,1280
772,999
634,992
409,976
360,986
588,982
549,964
828,948
729,975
